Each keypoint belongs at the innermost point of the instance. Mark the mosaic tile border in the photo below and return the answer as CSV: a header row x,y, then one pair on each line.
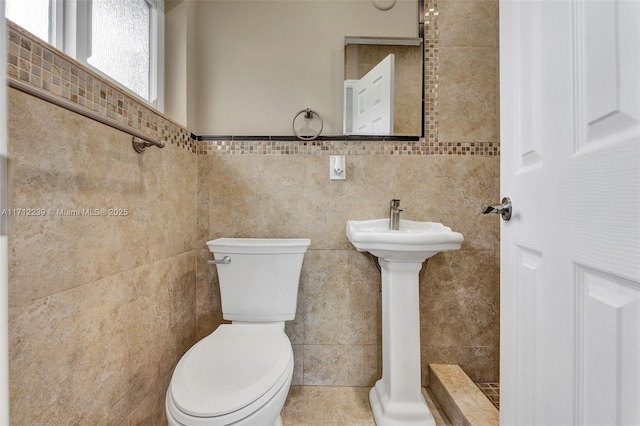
x,y
431,71
35,63
253,147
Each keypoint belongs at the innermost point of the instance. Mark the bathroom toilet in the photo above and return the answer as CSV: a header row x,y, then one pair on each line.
x,y
241,373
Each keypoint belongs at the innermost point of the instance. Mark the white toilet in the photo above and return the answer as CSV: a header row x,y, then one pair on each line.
x,y
241,373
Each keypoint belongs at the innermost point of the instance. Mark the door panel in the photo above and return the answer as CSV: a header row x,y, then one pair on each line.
x,y
570,162
608,368
373,105
607,71
528,86
529,273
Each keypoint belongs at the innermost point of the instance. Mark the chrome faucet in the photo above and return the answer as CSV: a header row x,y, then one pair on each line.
x,y
394,215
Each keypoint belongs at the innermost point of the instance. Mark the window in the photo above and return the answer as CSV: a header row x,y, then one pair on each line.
x,y
122,54
120,38
32,15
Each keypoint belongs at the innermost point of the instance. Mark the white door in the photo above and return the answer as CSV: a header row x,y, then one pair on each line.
x,y
373,100
570,255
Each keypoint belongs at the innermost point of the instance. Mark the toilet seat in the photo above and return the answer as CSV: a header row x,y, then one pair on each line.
x,y
231,373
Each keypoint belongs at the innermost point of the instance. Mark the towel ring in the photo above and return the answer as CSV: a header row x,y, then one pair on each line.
x,y
308,115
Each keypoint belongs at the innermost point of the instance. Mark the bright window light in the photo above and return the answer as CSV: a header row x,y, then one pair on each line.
x,y
120,42
32,15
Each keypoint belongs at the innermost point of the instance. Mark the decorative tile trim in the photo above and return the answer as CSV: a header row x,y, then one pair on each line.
x,y
345,147
34,62
431,71
37,64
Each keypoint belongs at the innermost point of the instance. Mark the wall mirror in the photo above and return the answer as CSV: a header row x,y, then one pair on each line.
x,y
383,89
256,63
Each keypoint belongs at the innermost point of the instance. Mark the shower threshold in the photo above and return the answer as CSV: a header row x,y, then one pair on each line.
x,y
462,400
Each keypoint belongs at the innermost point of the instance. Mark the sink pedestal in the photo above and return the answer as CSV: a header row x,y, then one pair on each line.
x,y
397,397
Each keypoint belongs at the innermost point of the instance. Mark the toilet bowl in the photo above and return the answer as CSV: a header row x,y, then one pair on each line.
x,y
238,375
241,373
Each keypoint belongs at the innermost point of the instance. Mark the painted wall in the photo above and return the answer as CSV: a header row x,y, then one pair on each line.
x,y
180,72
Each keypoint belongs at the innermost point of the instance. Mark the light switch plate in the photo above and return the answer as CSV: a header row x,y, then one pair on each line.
x,y
337,167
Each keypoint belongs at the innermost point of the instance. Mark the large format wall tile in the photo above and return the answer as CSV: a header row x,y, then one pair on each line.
x,y
337,365
254,196
339,303
168,201
65,162
182,283
208,304
96,353
468,99
464,23
69,358
315,405
149,320
102,307
341,299
459,301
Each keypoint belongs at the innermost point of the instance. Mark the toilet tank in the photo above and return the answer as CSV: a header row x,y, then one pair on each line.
x,y
260,284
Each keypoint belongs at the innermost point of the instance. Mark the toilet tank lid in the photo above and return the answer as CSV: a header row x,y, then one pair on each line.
x,y
230,369
258,245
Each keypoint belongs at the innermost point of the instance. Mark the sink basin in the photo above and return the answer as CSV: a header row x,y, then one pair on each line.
x,y
414,241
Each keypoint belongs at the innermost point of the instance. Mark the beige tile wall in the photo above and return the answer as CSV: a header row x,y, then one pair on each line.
x,y
468,71
101,307
460,303
337,333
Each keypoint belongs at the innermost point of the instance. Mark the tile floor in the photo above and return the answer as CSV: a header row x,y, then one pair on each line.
x,y
492,391
349,406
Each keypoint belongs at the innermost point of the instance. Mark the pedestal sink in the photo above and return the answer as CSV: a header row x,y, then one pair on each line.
x,y
396,398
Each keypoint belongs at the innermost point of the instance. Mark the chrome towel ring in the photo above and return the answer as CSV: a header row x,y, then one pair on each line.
x,y
308,115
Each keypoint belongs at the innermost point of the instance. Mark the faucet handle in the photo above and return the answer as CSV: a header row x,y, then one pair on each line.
x,y
395,205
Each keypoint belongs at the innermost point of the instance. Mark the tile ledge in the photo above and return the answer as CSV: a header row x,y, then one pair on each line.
x,y
460,398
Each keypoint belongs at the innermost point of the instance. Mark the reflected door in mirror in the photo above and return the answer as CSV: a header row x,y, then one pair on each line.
x,y
370,109
362,56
